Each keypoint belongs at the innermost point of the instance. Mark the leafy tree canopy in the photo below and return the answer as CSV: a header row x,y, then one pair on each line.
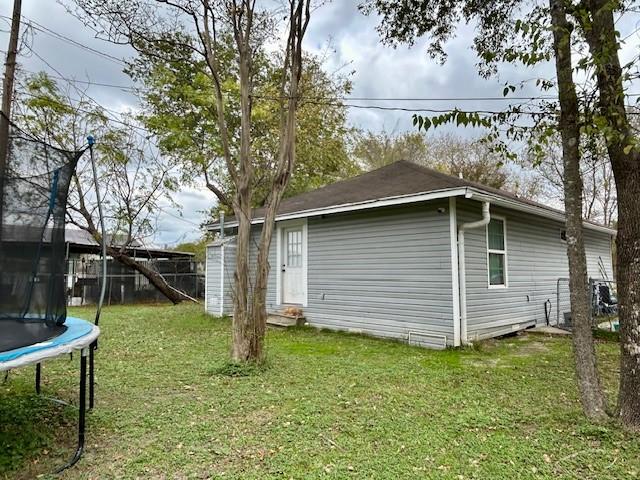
x,y
471,159
198,248
180,111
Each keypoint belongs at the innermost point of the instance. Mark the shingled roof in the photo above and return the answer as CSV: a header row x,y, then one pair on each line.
x,y
397,180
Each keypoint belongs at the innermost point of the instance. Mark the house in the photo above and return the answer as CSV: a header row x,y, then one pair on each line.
x,y
410,253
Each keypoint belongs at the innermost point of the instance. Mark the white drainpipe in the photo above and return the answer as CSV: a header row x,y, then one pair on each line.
x,y
486,218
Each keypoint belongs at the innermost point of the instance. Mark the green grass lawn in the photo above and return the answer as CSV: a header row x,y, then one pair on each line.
x,y
329,405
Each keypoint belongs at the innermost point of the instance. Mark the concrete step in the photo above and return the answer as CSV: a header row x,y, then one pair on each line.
x,y
282,320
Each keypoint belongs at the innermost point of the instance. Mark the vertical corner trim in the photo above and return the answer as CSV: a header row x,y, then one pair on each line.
x,y
305,262
206,278
221,280
455,278
278,264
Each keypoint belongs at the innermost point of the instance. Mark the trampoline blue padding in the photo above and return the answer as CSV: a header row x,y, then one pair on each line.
x,y
78,334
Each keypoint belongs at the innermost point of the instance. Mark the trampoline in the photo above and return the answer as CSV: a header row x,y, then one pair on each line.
x,y
34,325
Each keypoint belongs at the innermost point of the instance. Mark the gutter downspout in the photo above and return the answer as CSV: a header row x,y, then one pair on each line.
x,y
221,225
486,218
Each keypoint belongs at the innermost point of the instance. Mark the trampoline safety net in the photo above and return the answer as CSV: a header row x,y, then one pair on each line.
x,y
32,240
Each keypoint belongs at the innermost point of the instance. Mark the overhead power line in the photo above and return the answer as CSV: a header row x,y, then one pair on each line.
x,y
39,27
48,31
443,111
177,217
418,99
144,133
90,83
63,38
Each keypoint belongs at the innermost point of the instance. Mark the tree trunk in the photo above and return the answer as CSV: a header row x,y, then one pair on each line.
x,y
247,344
247,336
286,162
623,152
591,395
154,277
250,313
628,262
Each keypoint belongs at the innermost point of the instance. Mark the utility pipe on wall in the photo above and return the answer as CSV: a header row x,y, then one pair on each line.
x,y
486,218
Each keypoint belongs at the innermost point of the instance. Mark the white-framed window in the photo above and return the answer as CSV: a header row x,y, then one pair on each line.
x,y
497,252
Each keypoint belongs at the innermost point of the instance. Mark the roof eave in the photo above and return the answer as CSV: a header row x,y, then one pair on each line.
x,y
533,209
468,192
351,207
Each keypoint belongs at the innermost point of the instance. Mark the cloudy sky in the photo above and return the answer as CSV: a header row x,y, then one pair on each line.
x,y
337,29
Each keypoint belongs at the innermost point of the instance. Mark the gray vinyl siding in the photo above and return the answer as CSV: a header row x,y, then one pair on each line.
x,y
598,245
387,272
229,269
213,279
384,272
230,266
253,258
536,258
219,284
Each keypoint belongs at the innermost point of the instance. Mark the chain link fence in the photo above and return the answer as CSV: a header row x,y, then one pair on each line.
x,y
126,286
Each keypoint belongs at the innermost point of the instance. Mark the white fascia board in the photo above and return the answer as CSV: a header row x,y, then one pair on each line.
x,y
351,207
523,207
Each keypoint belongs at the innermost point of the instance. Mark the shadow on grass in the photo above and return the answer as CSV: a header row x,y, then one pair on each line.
x,y
236,370
605,335
34,428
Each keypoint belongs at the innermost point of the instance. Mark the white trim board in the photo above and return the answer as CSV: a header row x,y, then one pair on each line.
x,y
206,278
500,201
222,280
278,263
280,226
349,207
499,252
455,278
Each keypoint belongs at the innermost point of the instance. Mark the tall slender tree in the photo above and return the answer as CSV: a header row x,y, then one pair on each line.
x,y
591,394
596,18
198,26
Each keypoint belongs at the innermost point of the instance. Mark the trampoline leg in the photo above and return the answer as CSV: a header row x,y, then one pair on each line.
x,y
38,372
91,376
82,409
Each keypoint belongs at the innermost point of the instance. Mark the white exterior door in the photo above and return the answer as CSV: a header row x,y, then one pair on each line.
x,y
292,268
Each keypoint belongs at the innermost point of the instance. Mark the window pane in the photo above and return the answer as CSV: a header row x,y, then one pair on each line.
x,y
496,235
496,269
294,248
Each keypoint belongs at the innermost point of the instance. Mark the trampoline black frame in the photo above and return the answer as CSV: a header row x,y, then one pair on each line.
x,y
82,397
